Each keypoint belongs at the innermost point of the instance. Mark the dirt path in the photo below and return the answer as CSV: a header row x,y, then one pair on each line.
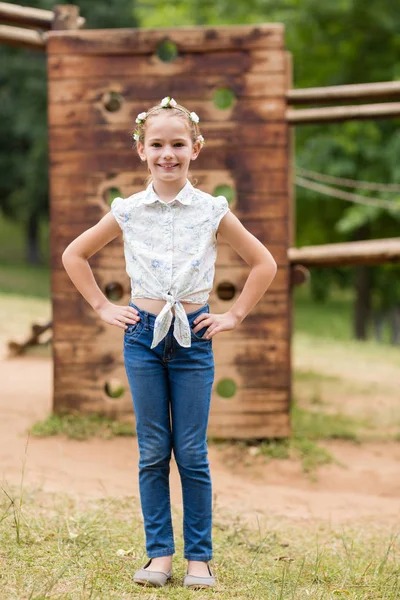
x,y
365,486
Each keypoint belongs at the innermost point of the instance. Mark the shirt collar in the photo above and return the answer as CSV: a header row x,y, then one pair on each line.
x,y
184,196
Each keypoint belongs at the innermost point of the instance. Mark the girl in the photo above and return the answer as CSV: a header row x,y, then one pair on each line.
x,y
169,231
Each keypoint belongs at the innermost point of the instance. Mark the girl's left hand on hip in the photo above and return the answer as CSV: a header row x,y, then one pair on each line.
x,y
215,323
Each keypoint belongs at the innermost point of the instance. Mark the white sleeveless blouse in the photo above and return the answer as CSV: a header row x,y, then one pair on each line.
x,y
170,251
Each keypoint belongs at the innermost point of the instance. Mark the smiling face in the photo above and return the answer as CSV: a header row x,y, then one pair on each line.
x,y
168,147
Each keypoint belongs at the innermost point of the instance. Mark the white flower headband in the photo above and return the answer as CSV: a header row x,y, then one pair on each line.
x,y
167,102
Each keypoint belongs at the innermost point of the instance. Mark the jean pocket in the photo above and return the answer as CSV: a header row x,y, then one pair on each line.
x,y
133,331
199,334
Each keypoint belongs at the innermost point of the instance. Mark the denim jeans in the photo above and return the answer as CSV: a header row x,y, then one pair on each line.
x,y
171,393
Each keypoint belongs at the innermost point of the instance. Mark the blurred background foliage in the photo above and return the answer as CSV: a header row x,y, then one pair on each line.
x,y
342,42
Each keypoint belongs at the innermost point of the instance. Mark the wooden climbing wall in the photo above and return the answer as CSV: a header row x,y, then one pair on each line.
x,y
98,81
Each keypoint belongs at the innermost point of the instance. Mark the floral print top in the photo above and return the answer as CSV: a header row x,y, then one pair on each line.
x,y
170,250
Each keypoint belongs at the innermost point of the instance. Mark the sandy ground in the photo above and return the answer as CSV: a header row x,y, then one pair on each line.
x,y
364,485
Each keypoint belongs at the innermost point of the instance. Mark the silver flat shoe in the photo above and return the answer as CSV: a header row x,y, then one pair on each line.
x,y
193,581
153,578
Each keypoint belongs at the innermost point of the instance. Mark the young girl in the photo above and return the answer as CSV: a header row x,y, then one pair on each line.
x,y
169,231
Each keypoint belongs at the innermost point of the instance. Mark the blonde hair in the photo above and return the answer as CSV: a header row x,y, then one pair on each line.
x,y
177,111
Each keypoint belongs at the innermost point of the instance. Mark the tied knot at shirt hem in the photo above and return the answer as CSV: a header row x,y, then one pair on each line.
x,y
163,322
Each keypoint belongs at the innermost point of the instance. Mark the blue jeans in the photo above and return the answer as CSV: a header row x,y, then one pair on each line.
x,y
171,392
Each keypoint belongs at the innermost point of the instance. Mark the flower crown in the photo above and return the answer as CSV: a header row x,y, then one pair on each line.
x,y
167,102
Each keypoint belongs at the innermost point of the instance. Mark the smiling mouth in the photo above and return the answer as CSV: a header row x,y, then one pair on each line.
x,y
169,167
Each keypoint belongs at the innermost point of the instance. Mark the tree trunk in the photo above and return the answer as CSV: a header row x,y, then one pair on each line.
x,y
362,305
395,322
32,239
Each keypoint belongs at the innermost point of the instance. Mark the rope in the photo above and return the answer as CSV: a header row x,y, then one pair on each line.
x,y
330,191
365,185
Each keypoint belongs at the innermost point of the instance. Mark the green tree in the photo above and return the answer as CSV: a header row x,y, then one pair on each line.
x,y
23,120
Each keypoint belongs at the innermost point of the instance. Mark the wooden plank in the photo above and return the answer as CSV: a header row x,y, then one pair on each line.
x,y
188,39
150,89
253,327
118,137
254,375
21,37
227,257
272,305
271,353
275,183
83,388
268,231
261,402
237,62
250,427
330,94
25,16
270,421
367,252
73,309
111,256
89,210
235,275
336,114
247,420
94,376
130,182
260,110
268,160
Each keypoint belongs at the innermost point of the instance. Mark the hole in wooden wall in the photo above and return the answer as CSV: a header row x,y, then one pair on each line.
x,y
114,290
110,194
167,51
225,290
112,101
224,98
114,388
225,190
226,388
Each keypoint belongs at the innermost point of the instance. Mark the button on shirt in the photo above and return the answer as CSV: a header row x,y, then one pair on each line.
x,y
170,251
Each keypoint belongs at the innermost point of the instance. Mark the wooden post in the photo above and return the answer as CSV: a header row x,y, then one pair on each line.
x,y
370,252
25,38
330,94
26,16
66,16
343,113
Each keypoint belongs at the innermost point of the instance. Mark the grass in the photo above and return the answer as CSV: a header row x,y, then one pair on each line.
x,y
309,427
54,546
13,245
25,280
16,276
81,427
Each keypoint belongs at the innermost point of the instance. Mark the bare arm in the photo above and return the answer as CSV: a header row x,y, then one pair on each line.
x,y
75,260
262,273
254,253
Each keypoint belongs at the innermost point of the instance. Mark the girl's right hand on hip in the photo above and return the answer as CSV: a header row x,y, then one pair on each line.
x,y
119,316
